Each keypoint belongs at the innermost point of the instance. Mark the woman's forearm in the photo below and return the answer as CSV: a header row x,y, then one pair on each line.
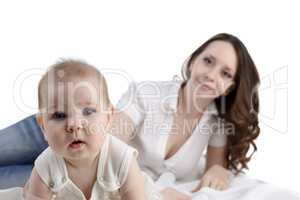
x,y
216,156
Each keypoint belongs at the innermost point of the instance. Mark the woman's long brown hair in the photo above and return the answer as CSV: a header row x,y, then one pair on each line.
x,y
241,104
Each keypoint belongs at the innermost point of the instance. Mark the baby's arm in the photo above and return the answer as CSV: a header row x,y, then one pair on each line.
x,y
134,186
36,189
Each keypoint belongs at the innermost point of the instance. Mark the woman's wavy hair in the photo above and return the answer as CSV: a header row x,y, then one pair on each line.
x,y
240,106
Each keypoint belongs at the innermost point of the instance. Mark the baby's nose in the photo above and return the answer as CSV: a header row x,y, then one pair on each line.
x,y
72,129
75,124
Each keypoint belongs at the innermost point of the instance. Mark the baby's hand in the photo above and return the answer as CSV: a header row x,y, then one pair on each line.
x,y
216,177
172,194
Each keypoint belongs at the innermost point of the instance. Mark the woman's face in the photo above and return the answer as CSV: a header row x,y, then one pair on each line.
x,y
213,71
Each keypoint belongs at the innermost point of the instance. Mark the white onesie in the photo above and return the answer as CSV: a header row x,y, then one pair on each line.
x,y
112,172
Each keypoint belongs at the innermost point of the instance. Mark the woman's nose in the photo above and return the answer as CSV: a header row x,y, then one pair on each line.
x,y
211,75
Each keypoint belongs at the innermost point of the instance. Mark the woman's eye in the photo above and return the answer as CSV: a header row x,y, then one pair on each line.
x,y
88,111
58,115
207,60
226,74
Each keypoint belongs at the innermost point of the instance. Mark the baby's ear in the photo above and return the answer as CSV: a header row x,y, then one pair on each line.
x,y
39,120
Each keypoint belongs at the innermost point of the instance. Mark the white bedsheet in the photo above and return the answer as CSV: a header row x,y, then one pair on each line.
x,y
241,188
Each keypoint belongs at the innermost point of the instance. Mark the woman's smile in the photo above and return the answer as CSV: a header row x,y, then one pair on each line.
x,y
206,87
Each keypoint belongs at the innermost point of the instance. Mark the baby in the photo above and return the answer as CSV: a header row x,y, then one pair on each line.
x,y
82,161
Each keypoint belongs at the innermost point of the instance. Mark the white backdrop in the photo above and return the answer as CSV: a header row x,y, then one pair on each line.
x,y
149,40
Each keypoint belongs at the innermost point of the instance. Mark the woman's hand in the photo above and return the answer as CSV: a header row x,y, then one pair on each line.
x,y
216,177
172,194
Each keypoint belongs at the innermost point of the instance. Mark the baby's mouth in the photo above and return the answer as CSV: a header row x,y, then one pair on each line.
x,y
76,144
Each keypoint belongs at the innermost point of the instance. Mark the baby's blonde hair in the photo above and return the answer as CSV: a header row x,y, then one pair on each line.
x,y
66,69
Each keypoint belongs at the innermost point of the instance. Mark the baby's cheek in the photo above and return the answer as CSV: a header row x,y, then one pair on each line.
x,y
57,144
95,142
93,128
97,125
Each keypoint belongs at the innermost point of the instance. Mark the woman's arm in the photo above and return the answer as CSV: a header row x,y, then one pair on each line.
x,y
216,156
216,175
129,114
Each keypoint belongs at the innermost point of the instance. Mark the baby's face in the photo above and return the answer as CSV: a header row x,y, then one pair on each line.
x,y
73,124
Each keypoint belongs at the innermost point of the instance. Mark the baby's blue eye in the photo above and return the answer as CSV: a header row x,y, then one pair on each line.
x,y
88,111
58,115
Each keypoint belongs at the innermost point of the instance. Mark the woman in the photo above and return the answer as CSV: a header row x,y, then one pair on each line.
x,y
171,123
215,106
